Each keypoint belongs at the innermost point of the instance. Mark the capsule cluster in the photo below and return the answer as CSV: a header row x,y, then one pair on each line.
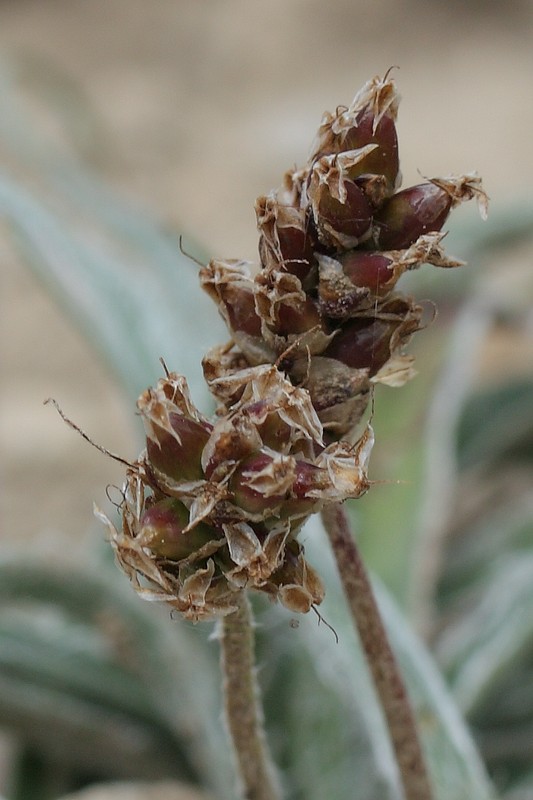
x,y
333,242
213,507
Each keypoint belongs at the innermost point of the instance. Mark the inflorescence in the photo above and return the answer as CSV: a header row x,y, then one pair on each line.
x,y
213,507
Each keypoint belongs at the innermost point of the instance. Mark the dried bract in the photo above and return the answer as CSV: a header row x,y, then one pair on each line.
x,y
214,507
334,241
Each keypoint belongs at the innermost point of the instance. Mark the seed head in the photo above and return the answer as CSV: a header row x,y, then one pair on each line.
x,y
214,507
334,241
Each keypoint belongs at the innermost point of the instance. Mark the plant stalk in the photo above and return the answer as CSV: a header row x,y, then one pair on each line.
x,y
244,716
388,681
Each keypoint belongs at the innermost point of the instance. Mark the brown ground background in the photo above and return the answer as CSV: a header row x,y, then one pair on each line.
x,y
201,105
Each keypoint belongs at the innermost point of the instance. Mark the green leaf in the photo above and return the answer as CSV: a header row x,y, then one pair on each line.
x,y
497,424
324,724
176,665
455,765
129,304
523,789
44,645
493,634
358,763
81,733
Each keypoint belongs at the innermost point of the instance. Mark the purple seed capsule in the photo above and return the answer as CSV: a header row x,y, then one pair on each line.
x,y
384,160
363,344
297,319
178,453
368,342
239,305
371,271
410,213
161,530
231,287
342,224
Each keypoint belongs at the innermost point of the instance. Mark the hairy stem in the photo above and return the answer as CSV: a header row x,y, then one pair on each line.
x,y
243,711
385,672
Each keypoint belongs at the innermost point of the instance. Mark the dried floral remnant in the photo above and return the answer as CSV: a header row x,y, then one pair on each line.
x,y
213,508
334,241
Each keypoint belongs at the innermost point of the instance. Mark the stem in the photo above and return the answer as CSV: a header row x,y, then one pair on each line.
x,y
385,672
241,701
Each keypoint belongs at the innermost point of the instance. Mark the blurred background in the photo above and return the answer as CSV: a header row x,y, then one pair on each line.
x,y
188,111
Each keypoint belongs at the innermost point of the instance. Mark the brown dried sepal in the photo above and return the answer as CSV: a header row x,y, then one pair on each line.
x,y
290,318
463,188
218,365
292,190
341,210
427,249
189,585
231,285
286,239
255,556
297,584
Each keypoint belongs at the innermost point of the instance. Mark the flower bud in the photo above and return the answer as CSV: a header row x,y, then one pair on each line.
x,y
341,211
290,316
309,480
384,160
241,312
161,530
176,432
297,318
353,281
230,285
